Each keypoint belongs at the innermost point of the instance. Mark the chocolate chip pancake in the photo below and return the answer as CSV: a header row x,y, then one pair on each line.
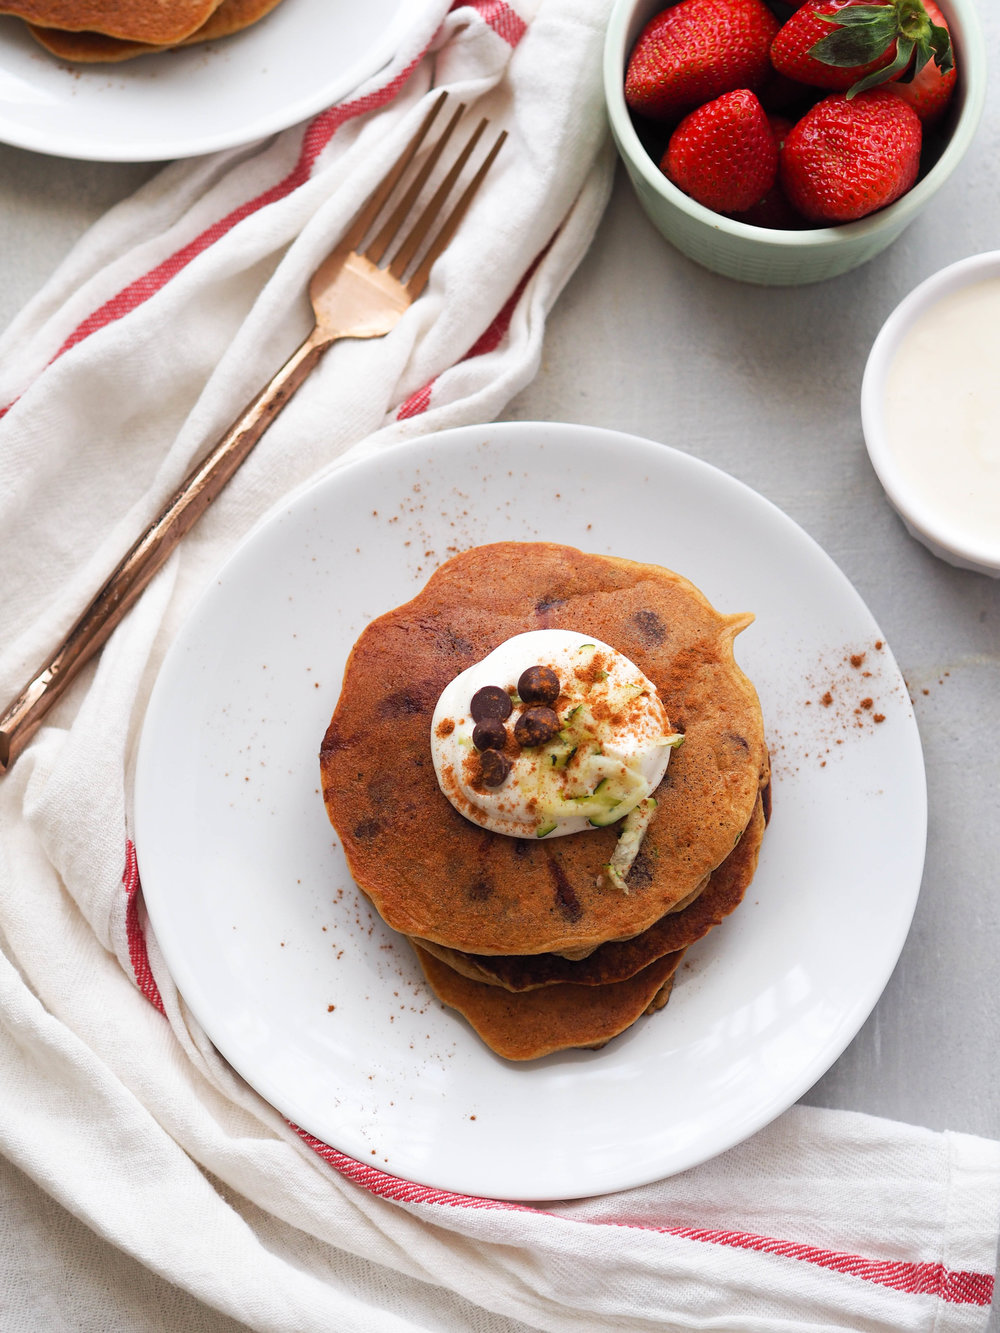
x,y
435,875
161,24
94,47
552,1018
620,959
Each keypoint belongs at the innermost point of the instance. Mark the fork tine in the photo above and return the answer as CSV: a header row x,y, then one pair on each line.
x,y
376,251
418,281
377,200
408,248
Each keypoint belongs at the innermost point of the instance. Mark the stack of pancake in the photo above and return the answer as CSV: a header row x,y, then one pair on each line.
x,y
528,938
94,31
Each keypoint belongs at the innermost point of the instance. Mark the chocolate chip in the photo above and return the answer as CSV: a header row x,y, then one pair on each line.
x,y
566,900
649,626
494,767
417,697
538,685
535,726
490,734
490,701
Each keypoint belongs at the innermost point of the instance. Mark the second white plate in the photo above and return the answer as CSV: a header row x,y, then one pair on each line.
x,y
323,1010
303,56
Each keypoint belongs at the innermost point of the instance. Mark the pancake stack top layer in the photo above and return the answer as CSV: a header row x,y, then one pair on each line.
x,y
114,30
433,874
133,20
527,937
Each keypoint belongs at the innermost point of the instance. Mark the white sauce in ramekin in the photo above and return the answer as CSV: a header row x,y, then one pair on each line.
x,y
942,411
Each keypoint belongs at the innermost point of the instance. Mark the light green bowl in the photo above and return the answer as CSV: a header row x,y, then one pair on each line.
x,y
784,258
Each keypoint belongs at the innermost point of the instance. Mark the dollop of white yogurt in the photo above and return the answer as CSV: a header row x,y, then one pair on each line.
x,y
610,753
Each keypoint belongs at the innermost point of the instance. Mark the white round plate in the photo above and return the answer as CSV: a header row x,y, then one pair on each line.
x,y
303,56
322,1008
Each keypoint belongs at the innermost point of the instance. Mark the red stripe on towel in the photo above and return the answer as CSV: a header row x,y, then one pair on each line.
x,y
487,341
138,955
925,1279
416,403
394,1187
504,21
956,1287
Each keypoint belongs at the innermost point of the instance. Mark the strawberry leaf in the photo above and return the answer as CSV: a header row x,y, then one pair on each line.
x,y
904,54
863,33
939,42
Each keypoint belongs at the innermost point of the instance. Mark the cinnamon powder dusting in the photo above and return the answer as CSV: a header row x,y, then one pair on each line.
x,y
852,697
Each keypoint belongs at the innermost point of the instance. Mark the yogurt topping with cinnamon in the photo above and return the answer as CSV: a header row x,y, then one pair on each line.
x,y
554,732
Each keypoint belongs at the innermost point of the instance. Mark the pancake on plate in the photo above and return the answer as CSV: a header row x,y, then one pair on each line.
x,y
435,875
160,24
95,47
551,1018
620,959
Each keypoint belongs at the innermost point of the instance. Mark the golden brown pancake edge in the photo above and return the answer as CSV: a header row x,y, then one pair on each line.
x,y
232,16
131,20
530,1024
617,960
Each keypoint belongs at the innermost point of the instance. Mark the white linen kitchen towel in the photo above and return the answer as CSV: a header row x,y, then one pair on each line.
x,y
142,348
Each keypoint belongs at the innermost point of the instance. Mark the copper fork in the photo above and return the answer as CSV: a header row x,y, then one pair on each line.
x,y
354,293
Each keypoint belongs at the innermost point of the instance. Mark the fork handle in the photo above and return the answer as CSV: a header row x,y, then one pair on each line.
x,y
193,496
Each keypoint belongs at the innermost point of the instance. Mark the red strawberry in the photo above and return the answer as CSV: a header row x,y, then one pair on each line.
x,y
695,51
724,154
848,157
851,45
930,91
773,210
793,49
781,127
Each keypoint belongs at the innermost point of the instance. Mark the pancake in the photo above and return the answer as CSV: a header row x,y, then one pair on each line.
x,y
434,875
621,959
552,1018
94,47
160,24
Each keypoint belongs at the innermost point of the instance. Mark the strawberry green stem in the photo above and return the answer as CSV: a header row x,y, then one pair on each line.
x,y
863,33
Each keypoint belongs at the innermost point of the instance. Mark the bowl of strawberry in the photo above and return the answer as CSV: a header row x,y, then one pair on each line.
x,y
789,141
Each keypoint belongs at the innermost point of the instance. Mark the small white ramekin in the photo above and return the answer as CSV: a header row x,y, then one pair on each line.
x,y
940,533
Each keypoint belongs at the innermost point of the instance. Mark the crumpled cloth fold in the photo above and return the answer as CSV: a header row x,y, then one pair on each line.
x,y
152,335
